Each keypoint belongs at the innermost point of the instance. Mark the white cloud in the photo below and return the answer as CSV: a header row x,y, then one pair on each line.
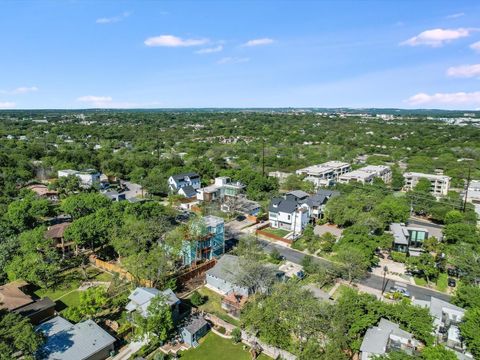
x,y
465,71
232,60
104,102
475,46
210,50
24,90
173,41
455,16
20,90
7,105
459,98
437,37
113,19
259,42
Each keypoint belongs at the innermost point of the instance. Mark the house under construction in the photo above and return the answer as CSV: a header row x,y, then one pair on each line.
x,y
207,240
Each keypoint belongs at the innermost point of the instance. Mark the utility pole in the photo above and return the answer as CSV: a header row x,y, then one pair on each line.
x,y
466,190
263,157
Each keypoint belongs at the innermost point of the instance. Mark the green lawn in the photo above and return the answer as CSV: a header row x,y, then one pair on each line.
x,y
420,281
214,306
442,282
277,232
214,347
66,290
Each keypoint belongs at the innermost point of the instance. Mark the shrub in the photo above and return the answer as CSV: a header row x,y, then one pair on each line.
x,y
398,256
236,335
197,299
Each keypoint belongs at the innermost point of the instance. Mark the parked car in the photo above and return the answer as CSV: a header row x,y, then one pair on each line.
x,y
452,282
452,272
400,290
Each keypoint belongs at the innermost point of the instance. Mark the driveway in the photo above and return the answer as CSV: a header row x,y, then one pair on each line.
x,y
134,190
127,351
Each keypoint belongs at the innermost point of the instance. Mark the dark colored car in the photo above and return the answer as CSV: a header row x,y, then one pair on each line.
x,y
452,282
452,272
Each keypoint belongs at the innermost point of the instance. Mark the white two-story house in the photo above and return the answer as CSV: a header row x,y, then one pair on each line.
x,y
179,181
289,212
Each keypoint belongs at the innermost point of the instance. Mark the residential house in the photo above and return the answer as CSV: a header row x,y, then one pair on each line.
x,y
88,178
56,233
317,202
290,212
176,182
66,341
188,192
223,187
207,243
194,330
141,298
386,337
14,298
408,239
324,174
446,318
221,278
242,205
440,184
367,174
43,192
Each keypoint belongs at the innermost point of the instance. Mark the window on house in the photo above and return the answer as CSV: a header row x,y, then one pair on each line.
x,y
289,217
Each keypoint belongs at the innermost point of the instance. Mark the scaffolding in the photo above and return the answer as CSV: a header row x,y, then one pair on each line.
x,y
207,240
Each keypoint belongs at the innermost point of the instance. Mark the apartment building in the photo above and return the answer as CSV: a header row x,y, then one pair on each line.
x,y
440,184
325,174
366,174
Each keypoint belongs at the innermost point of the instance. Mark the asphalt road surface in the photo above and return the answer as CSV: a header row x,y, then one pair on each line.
x,y
372,281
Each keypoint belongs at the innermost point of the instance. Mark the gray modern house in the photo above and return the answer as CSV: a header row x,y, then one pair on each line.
x,y
221,277
408,239
141,298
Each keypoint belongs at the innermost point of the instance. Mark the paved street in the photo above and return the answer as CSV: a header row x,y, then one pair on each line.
x,y
372,281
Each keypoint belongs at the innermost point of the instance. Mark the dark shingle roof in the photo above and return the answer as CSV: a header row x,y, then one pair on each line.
x,y
180,177
189,191
282,205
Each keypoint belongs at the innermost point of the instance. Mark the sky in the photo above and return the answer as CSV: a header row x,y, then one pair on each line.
x,y
180,54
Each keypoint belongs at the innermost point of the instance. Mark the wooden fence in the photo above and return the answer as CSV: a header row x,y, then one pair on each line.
x,y
260,231
195,271
110,267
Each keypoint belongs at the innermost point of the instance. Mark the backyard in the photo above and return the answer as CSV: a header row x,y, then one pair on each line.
x,y
213,305
66,292
276,232
215,347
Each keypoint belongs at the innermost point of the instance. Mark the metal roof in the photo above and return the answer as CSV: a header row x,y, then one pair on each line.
x,y
65,341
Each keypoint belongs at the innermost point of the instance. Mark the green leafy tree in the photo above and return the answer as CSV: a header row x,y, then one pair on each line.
x,y
197,299
437,352
467,296
425,263
158,321
17,335
92,301
84,204
470,330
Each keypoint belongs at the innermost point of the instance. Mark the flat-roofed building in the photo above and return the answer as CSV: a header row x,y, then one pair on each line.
x,y
366,174
440,184
326,173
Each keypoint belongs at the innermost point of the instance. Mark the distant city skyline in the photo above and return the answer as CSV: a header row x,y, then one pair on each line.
x,y
240,54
